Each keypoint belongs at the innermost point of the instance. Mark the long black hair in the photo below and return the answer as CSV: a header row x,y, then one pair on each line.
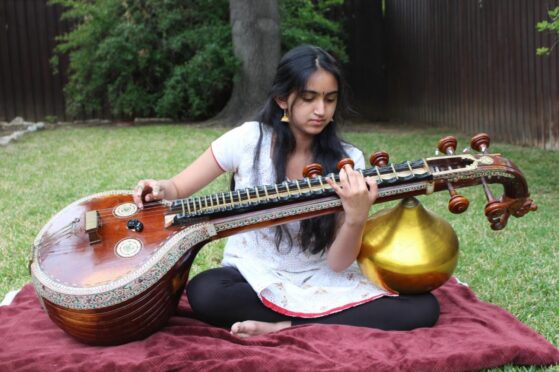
x,y
293,72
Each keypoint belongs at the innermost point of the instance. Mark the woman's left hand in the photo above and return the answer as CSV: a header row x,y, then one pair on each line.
x,y
356,197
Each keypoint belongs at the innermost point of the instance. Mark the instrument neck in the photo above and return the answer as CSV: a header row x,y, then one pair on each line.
x,y
289,192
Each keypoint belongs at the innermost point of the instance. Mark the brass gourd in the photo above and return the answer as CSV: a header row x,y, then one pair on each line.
x,y
408,249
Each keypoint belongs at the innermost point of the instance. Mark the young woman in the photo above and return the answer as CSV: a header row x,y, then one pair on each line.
x,y
300,272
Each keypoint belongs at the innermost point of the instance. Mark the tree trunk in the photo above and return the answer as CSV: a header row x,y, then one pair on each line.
x,y
256,43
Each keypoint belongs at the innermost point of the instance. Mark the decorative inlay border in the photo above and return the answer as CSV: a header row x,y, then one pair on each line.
x,y
127,286
474,173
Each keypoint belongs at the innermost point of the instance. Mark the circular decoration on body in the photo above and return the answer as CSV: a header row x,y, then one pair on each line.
x,y
128,247
125,210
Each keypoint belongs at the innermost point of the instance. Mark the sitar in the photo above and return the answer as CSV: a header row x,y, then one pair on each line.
x,y
107,272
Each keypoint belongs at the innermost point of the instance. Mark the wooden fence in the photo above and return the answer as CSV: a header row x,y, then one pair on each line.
x,y
472,65
466,64
28,87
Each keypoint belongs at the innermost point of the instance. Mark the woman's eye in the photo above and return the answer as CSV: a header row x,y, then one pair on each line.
x,y
308,98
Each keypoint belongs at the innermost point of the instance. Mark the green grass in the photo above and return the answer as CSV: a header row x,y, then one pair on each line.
x,y
515,268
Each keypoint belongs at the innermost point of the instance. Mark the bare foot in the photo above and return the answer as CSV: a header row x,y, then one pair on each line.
x,y
250,328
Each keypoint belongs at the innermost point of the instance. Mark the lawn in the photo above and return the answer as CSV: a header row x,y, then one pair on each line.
x,y
515,268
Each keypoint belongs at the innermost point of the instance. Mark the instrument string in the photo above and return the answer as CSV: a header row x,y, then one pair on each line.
x,y
66,249
218,201
240,198
53,246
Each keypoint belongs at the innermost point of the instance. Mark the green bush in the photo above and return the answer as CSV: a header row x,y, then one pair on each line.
x,y
552,27
313,22
168,58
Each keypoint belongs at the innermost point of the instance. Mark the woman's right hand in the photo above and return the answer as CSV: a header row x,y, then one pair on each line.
x,y
150,190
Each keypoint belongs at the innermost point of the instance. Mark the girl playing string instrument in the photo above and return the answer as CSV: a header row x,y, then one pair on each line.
x,y
305,271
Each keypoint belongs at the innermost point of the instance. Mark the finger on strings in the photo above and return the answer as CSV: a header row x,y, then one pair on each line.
x,y
333,184
357,179
344,177
373,188
139,191
137,195
156,190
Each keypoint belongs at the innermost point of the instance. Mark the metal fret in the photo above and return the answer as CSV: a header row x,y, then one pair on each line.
x,y
287,188
409,166
257,194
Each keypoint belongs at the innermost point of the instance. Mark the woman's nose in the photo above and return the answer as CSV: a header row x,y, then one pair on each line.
x,y
319,107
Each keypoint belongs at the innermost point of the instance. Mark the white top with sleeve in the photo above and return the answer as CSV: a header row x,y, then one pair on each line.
x,y
287,280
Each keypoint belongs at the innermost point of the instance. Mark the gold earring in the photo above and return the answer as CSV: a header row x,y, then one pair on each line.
x,y
284,118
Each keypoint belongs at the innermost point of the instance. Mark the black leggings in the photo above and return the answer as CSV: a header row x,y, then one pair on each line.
x,y
222,297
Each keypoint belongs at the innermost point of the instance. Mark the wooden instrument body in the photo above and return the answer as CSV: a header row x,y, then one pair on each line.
x,y
126,285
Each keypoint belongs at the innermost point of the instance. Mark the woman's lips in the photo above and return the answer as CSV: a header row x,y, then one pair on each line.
x,y
316,121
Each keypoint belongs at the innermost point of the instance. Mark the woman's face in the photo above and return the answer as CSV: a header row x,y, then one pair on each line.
x,y
311,110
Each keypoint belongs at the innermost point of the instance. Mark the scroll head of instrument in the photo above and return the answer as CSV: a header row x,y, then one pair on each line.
x,y
313,170
379,159
480,142
342,163
447,145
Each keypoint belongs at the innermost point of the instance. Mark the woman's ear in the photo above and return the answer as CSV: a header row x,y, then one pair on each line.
x,y
282,102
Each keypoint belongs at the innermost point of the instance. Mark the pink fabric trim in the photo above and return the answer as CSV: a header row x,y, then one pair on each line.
x,y
287,312
217,161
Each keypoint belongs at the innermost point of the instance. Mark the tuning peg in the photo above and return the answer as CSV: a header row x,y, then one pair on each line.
x,y
457,203
447,145
480,142
497,214
312,170
342,163
379,159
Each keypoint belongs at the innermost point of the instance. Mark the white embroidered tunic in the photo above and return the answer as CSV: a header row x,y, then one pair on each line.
x,y
287,280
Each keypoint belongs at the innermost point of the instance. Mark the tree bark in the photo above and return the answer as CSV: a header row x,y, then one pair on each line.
x,y
256,43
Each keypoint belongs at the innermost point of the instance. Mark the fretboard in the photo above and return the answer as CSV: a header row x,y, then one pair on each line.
x,y
267,196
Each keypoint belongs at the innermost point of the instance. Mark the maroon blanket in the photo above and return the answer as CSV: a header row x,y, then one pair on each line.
x,y
470,335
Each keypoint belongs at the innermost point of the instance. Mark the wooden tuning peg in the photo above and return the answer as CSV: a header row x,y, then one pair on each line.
x,y
497,214
457,203
496,211
312,170
379,159
342,163
447,145
480,142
